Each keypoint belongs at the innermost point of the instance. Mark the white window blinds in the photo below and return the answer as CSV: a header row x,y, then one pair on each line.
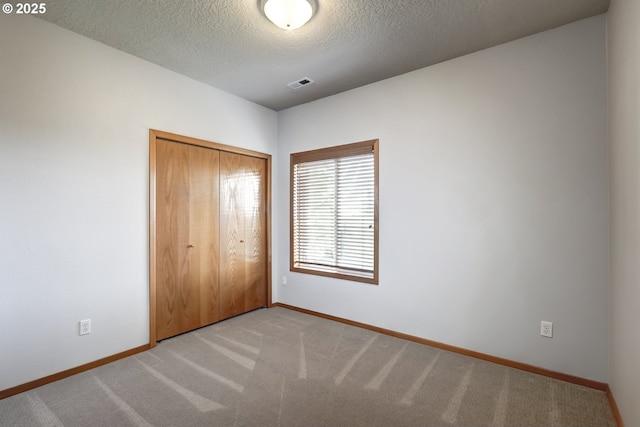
x,y
334,211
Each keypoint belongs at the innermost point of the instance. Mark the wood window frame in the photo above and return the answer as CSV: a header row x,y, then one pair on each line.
x,y
335,152
154,135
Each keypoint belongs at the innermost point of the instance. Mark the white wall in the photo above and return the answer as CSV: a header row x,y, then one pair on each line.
x,y
623,48
74,121
493,200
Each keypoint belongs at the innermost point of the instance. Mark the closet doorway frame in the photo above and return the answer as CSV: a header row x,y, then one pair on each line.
x,y
154,135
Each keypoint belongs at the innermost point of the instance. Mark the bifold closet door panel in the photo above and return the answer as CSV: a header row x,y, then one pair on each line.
x,y
243,244
187,213
204,220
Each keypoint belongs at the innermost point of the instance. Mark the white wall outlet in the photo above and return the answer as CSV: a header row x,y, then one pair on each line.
x,y
546,329
284,280
85,327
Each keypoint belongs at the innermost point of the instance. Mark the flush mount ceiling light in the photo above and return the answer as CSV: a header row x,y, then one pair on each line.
x,y
289,14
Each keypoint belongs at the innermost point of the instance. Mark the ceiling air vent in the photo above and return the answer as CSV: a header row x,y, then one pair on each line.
x,y
305,81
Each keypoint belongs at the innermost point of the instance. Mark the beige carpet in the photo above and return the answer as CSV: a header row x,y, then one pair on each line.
x,y
278,367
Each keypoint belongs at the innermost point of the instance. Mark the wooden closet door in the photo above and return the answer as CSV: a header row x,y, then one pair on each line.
x,y
187,212
243,255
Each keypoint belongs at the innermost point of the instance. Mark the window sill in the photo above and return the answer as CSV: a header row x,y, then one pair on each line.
x,y
337,273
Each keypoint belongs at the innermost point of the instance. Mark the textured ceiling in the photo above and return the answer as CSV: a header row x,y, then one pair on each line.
x,y
229,44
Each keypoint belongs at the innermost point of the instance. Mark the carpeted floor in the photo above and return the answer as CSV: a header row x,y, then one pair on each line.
x,y
279,367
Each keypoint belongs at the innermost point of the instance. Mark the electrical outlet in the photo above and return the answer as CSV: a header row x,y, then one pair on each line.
x,y
546,329
85,327
284,280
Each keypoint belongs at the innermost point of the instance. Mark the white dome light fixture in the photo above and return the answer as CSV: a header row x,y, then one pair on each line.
x,y
288,14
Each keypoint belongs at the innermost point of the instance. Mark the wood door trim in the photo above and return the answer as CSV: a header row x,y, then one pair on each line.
x,y
152,238
154,135
158,134
268,232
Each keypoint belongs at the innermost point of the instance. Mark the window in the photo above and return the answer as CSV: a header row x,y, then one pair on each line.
x,y
334,212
